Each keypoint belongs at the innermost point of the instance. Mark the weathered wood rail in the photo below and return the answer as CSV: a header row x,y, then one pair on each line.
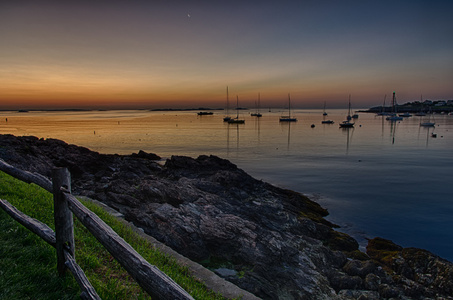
x,y
156,283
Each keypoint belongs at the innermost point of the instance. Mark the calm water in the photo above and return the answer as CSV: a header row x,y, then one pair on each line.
x,y
377,179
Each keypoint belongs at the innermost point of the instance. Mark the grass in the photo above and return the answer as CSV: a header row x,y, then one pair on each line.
x,y
28,264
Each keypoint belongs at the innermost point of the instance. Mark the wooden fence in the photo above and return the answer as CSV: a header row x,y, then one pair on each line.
x,y
157,284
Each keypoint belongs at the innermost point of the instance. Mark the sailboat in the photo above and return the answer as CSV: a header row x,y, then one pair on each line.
x,y
429,123
347,123
324,116
394,117
421,113
257,113
236,120
383,112
227,117
288,118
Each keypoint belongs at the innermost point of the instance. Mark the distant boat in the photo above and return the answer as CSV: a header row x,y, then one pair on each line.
x,y
227,117
236,120
429,123
405,115
288,118
383,112
394,117
347,123
257,113
325,114
355,116
205,113
421,113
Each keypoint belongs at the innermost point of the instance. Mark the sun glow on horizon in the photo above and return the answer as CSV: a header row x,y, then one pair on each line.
x,y
78,55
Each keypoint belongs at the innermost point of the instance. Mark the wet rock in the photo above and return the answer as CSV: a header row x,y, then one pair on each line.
x,y
416,271
145,155
359,268
274,242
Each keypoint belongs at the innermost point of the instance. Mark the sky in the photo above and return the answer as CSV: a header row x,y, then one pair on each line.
x,y
181,54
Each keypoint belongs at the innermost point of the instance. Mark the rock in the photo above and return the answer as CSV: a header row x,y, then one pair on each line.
x,y
359,268
224,272
418,272
144,155
372,282
359,295
273,242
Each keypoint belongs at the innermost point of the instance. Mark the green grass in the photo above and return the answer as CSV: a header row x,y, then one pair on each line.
x,y
28,264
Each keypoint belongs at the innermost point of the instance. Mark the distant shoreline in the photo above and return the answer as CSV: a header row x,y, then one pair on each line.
x,y
86,110
140,109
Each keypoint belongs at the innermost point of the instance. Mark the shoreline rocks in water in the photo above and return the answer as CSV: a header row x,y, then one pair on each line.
x,y
272,242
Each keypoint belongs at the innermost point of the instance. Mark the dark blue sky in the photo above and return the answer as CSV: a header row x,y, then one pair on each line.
x,y
185,53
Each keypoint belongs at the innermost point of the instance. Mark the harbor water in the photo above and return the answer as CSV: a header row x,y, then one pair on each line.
x,y
380,178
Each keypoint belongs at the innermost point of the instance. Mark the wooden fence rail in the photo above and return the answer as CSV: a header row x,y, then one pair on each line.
x,y
156,283
48,235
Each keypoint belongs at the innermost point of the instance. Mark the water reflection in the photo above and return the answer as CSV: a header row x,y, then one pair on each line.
x,y
393,125
314,164
232,128
348,131
257,124
429,133
288,125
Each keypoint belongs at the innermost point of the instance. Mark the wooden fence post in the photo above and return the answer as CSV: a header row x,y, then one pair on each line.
x,y
64,225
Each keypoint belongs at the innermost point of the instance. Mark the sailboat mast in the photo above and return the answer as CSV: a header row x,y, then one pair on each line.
x,y
258,103
228,102
289,105
349,106
394,102
237,107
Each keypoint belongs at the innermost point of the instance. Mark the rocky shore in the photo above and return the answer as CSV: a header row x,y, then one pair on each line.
x,y
272,242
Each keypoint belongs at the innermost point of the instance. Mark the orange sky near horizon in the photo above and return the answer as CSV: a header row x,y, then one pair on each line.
x,y
76,54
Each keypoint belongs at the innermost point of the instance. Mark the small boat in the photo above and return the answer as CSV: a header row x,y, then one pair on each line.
x,y
383,112
405,115
236,120
288,118
355,116
257,113
324,113
327,122
421,113
429,123
205,113
394,116
312,126
434,135
347,123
